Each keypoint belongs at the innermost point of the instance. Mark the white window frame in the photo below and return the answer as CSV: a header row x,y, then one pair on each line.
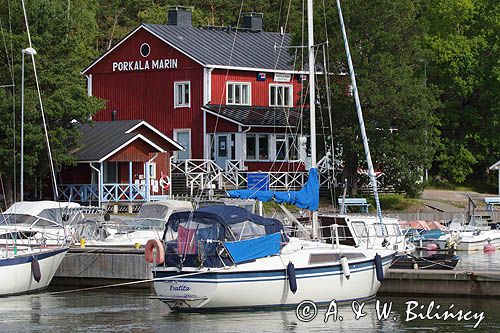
x,y
177,103
287,146
290,95
152,169
269,147
230,87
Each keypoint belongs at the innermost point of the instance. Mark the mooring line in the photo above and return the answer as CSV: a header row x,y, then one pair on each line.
x,y
132,282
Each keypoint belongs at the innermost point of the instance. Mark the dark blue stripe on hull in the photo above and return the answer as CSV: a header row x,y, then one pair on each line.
x,y
270,275
26,258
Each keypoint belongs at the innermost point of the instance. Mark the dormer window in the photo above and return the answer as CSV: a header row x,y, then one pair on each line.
x,y
238,93
280,95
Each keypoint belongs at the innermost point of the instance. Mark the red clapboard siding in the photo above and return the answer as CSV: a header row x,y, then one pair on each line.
x,y
148,94
260,89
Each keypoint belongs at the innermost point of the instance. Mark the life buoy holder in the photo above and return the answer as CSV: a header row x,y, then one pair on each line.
x,y
165,182
154,251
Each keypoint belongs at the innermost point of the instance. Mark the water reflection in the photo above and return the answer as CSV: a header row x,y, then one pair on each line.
x,y
137,311
479,261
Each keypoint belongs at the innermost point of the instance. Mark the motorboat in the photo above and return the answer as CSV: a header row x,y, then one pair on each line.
x,y
33,223
446,261
148,224
471,236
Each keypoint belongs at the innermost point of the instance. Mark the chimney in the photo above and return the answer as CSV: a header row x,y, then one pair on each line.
x,y
252,21
179,15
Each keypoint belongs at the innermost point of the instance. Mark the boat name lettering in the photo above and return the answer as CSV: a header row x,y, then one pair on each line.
x,y
180,288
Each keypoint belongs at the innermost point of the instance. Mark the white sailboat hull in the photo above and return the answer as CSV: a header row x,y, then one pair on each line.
x,y
16,274
265,283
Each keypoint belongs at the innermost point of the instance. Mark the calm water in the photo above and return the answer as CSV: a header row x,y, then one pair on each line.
x,y
120,310
479,261
136,311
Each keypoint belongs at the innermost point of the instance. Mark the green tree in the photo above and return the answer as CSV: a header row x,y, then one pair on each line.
x,y
62,33
397,101
463,44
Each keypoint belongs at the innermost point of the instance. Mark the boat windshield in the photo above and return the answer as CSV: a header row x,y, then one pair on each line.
x,y
153,212
25,220
246,230
146,224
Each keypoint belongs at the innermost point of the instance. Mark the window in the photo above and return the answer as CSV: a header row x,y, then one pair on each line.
x,y
182,94
257,147
238,93
251,147
263,147
293,147
280,147
145,50
286,147
152,170
280,95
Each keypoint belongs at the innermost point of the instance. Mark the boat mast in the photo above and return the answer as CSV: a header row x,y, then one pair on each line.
x,y
371,171
312,105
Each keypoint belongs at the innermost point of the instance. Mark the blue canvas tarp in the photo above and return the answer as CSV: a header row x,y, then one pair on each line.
x,y
255,248
306,198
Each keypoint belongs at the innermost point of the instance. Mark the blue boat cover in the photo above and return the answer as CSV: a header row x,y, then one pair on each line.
x,y
255,248
306,198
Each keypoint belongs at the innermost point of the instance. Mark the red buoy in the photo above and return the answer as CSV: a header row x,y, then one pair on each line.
x,y
432,247
489,248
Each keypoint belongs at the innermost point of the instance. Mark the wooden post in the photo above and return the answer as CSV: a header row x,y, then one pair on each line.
x,y
101,183
130,184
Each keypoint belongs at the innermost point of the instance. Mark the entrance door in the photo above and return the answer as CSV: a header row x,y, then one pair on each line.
x,y
222,149
183,137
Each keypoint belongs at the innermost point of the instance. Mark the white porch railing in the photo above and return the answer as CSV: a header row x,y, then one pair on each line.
x,y
124,192
110,192
200,173
78,192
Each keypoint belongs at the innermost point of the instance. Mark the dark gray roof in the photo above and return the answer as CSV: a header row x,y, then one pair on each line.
x,y
99,139
212,46
257,115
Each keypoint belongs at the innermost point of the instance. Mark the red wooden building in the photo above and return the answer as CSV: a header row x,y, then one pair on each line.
x,y
227,95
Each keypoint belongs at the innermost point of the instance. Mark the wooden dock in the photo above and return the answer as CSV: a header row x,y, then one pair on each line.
x,y
98,267
441,282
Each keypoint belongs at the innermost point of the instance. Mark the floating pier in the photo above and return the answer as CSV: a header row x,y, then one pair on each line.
x,y
441,282
99,267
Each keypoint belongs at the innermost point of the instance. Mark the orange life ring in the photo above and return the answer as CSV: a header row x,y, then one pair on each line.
x,y
149,251
165,182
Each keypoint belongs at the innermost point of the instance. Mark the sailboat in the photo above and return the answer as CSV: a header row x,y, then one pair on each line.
x,y
223,257
27,266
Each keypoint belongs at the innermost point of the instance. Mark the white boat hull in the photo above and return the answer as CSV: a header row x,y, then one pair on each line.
x,y
16,274
471,241
246,286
